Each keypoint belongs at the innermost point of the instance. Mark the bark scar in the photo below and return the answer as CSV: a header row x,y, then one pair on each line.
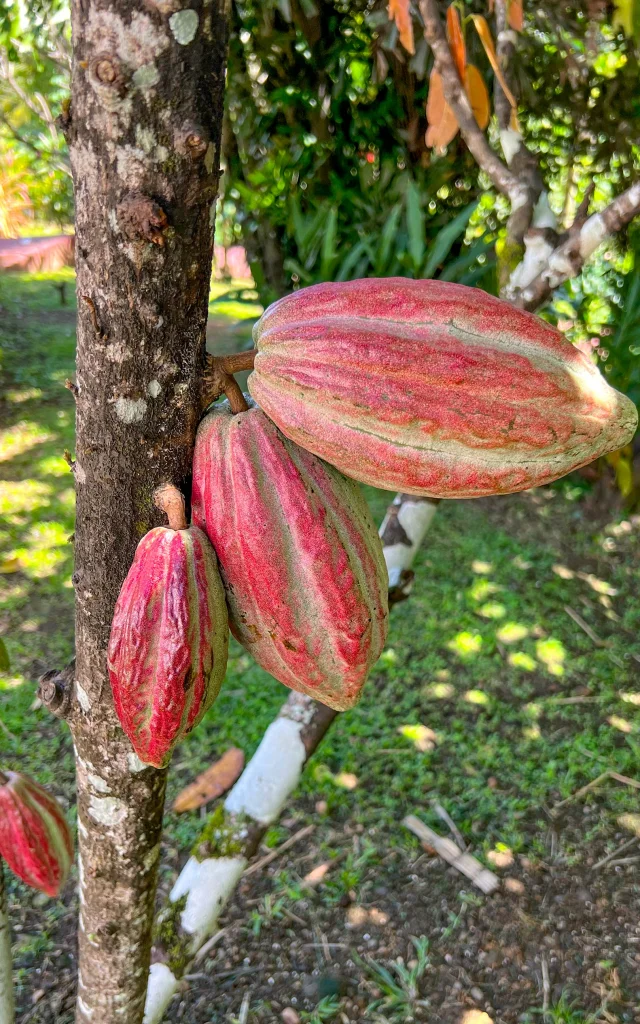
x,y
141,217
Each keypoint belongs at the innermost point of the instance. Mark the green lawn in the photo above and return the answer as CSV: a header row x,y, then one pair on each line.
x,y
489,695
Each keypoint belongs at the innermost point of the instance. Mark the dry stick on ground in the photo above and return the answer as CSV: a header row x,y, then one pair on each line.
x,y
591,785
612,856
6,980
469,866
233,832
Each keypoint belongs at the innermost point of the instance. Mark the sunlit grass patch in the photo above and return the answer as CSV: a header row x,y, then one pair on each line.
x,y
552,654
466,644
21,438
520,659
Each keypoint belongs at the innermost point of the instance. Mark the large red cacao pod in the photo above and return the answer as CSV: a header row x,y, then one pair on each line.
x,y
432,388
35,839
299,555
169,637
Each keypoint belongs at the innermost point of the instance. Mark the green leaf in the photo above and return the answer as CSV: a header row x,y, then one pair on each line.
x,y
415,226
389,232
5,664
352,258
328,251
441,245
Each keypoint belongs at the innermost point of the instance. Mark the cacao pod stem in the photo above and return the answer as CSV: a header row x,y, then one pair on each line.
x,y
169,499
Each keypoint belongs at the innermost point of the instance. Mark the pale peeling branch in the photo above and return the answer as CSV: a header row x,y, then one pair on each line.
x,y
502,177
6,981
520,161
568,258
233,832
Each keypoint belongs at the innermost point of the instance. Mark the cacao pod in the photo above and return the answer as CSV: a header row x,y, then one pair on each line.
x,y
169,636
299,555
432,388
35,839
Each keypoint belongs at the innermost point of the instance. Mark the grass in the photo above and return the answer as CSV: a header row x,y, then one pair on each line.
x,y
488,697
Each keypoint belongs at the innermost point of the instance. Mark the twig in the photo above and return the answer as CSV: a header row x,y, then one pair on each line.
x,y
457,835
591,785
294,917
208,946
546,986
579,621
623,860
237,361
447,849
307,830
612,856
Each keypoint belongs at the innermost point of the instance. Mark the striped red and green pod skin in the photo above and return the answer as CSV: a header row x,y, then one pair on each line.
x,y
35,839
169,637
432,388
299,555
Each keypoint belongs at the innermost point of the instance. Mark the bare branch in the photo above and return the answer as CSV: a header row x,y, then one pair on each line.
x,y
568,259
504,180
521,162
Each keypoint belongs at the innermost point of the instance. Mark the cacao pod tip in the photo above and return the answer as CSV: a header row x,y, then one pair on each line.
x,y
35,839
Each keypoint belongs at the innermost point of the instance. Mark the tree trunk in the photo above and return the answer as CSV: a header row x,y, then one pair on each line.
x,y
144,134
6,980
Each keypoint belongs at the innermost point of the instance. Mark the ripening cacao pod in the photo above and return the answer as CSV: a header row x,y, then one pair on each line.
x,y
432,388
169,636
299,555
35,839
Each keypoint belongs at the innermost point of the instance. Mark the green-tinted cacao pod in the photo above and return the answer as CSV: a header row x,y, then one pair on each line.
x,y
35,839
299,555
432,388
169,637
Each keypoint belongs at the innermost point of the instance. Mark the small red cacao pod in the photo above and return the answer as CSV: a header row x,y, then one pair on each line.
x,y
432,388
299,555
35,839
169,637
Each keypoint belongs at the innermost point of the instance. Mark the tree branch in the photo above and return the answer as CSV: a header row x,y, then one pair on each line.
x,y
6,980
521,162
568,259
501,176
234,830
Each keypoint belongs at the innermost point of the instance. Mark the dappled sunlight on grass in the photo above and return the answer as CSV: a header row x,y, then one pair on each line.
x,y
478,697
21,496
492,610
441,691
481,567
21,438
481,589
552,654
423,738
466,644
631,698
520,659
512,632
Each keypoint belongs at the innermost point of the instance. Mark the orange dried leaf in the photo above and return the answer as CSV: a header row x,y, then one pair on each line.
x,y
443,126
211,784
316,875
456,40
516,15
399,11
486,39
476,90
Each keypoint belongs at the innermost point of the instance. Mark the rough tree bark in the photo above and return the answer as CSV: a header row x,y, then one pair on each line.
x,y
6,981
144,137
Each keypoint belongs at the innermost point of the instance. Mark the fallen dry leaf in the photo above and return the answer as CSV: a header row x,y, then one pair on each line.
x,y
316,875
630,822
9,565
211,784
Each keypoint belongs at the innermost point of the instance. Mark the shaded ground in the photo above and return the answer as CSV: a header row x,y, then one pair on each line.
x,y
490,699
